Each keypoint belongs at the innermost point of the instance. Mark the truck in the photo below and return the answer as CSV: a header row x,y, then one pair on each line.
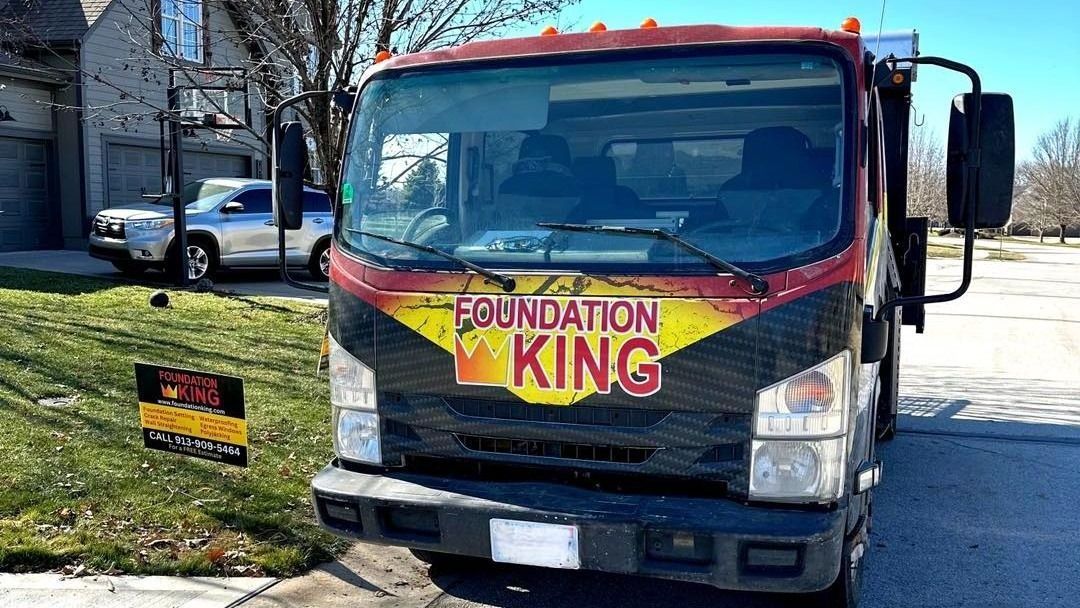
x,y
631,300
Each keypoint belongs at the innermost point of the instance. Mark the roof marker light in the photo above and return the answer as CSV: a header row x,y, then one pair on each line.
x,y
382,56
598,27
851,24
649,23
549,31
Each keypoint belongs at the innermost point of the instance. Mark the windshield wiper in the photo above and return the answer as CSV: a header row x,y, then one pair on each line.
x,y
506,282
758,285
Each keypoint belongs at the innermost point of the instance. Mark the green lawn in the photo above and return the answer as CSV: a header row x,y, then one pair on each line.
x,y
1050,241
944,251
949,250
76,485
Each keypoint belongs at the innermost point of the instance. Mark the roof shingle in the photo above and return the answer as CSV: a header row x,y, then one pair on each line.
x,y
53,20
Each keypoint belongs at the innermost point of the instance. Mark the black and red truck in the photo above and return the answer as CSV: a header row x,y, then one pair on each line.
x,y
631,300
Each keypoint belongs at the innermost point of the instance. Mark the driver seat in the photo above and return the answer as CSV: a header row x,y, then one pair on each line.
x,y
779,180
542,186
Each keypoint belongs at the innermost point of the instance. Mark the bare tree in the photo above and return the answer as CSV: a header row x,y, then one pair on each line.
x,y
286,46
926,176
134,84
319,45
1052,180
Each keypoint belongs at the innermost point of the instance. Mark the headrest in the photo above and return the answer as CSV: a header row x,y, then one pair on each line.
x,y
595,170
542,169
773,148
551,147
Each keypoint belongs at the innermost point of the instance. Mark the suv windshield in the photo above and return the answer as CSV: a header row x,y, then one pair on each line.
x,y
739,154
201,196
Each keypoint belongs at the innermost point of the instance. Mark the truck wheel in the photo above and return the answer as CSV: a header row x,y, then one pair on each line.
x,y
846,591
889,398
319,263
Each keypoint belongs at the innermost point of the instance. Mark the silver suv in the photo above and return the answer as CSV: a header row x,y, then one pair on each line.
x,y
229,224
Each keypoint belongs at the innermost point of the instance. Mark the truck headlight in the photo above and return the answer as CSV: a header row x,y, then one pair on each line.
x,y
800,425
352,396
147,225
797,471
813,403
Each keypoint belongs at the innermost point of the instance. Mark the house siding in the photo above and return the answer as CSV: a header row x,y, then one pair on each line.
x,y
120,71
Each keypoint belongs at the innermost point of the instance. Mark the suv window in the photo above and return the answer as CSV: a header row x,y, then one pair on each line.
x,y
316,202
256,200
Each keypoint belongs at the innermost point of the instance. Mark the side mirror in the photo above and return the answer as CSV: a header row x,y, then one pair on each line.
x,y
875,337
289,156
232,207
996,155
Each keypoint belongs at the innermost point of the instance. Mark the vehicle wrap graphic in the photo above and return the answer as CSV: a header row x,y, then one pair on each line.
x,y
559,350
569,339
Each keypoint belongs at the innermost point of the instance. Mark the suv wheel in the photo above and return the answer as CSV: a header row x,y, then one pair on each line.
x,y
319,264
202,260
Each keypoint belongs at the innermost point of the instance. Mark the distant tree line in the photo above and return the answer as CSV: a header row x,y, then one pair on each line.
x,y
1047,191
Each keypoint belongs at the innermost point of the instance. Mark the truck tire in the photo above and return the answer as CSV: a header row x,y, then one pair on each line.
x,y
846,591
889,374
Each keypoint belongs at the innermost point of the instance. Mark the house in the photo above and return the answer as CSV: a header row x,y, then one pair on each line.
x,y
81,84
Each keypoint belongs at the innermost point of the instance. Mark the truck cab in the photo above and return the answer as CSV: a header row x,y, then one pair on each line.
x,y
623,301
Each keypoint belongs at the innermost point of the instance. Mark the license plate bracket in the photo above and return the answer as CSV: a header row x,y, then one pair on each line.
x,y
533,543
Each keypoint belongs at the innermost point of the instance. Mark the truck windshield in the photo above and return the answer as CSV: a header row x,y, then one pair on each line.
x,y
739,154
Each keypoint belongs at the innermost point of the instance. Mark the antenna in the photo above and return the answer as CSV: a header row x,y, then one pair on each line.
x,y
881,22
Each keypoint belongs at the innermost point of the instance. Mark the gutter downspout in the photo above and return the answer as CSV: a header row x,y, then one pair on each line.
x,y
84,224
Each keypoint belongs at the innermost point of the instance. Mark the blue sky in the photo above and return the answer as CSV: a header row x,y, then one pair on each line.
x,y
1030,50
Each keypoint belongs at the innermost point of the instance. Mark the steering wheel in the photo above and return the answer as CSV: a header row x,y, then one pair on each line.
x,y
416,222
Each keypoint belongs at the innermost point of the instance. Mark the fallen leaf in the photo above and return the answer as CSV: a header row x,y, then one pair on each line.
x,y
215,554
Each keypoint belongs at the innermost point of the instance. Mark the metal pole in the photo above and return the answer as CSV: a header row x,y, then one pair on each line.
x,y
176,190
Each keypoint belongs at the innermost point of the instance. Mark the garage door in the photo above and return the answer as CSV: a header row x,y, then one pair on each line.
x,y
26,209
135,170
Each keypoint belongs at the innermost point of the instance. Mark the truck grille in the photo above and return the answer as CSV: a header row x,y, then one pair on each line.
x,y
705,448
598,416
556,449
109,227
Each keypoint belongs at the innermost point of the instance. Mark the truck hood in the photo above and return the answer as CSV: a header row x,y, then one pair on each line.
x,y
143,211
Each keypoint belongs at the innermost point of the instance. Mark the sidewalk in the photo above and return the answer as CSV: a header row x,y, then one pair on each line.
x,y
366,575
58,591
243,282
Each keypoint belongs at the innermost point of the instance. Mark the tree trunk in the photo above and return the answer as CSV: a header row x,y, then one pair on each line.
x,y
1041,234
1061,235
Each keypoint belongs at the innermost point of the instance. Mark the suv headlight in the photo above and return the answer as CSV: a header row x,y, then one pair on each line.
x,y
158,224
800,425
352,396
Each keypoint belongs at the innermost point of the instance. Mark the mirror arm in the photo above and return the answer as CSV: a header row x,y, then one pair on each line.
x,y
970,185
283,267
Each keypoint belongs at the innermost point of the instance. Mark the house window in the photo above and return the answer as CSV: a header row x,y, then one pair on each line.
x,y
181,29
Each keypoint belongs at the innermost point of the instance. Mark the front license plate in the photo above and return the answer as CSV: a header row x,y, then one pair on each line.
x,y
534,544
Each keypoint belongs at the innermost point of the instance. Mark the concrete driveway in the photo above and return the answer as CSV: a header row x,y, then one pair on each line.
x,y
246,282
981,486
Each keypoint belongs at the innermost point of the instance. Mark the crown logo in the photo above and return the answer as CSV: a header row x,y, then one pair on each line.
x,y
168,391
482,365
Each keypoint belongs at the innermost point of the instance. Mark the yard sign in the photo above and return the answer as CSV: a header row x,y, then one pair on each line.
x,y
192,413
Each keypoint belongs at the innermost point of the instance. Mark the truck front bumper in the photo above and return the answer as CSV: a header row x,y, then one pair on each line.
x,y
713,541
